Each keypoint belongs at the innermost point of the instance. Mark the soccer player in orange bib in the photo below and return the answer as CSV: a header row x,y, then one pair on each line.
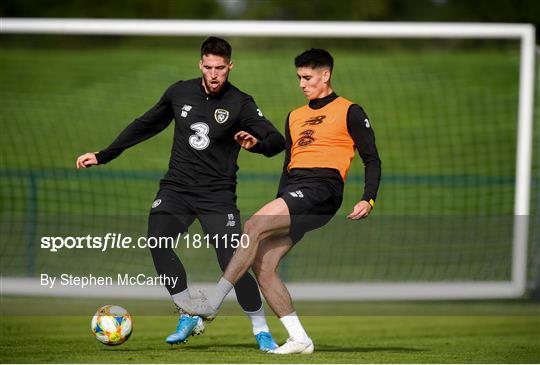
x,y
320,141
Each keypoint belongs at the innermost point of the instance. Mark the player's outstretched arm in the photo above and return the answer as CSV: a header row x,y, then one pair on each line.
x,y
86,160
269,141
360,210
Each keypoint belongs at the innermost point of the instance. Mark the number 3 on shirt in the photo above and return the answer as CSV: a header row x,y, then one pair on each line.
x,y
200,139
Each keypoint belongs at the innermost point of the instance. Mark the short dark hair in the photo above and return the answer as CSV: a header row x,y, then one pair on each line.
x,y
314,58
217,47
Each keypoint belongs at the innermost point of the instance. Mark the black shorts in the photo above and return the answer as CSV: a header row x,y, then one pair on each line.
x,y
313,197
216,210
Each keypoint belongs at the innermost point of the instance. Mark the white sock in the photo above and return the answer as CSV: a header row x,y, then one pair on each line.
x,y
183,295
223,288
258,321
294,327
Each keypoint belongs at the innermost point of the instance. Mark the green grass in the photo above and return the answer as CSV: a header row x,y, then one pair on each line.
x,y
78,100
376,332
444,120
445,125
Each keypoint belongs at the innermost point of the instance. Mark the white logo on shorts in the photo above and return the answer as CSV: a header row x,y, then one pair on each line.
x,y
156,203
297,194
231,222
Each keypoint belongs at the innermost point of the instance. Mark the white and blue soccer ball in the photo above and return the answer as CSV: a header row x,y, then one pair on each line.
x,y
112,325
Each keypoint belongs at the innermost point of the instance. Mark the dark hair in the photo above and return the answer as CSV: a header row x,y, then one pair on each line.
x,y
217,47
314,58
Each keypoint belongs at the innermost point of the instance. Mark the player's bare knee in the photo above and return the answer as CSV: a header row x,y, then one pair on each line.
x,y
253,228
268,266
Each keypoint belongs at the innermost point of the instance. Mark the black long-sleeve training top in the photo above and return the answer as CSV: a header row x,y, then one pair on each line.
x,y
204,152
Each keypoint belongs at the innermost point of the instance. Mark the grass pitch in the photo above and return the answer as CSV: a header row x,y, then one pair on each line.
x,y
434,332
445,125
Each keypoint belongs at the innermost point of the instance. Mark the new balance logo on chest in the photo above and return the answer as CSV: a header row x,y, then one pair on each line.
x,y
185,109
314,120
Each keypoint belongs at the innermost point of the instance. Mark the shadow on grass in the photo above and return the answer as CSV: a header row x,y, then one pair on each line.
x,y
366,349
116,349
213,347
320,348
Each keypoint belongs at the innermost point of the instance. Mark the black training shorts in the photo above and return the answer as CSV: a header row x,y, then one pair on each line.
x,y
215,210
313,197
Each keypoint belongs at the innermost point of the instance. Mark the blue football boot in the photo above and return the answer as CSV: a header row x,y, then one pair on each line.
x,y
265,341
187,325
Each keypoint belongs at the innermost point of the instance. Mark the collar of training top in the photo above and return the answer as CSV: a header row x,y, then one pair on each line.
x,y
319,103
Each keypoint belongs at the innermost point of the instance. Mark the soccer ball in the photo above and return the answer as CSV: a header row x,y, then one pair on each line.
x,y
112,325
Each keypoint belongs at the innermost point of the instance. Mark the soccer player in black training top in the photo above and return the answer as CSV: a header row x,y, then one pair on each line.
x,y
213,119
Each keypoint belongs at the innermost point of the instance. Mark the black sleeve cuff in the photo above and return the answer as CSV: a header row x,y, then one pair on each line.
x,y
105,156
273,144
258,148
